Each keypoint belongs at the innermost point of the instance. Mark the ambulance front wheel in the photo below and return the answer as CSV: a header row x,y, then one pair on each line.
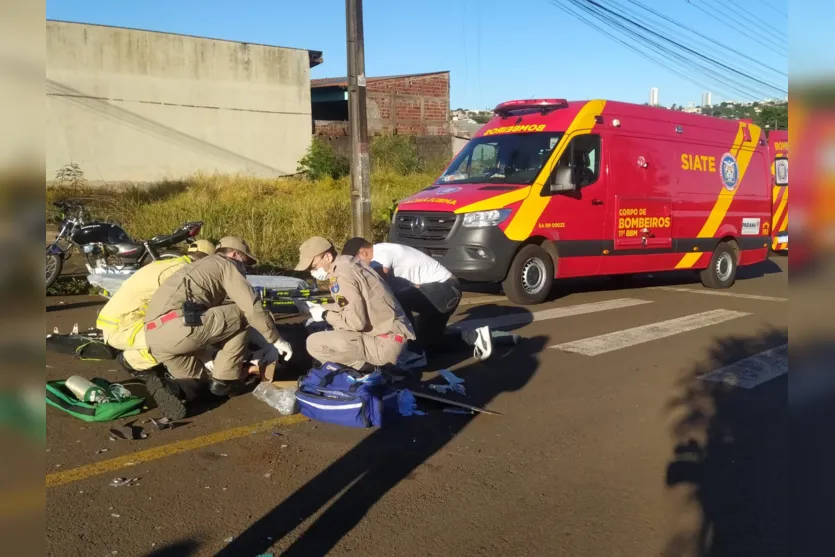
x,y
530,277
721,272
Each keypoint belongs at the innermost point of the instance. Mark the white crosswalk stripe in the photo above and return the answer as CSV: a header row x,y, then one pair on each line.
x,y
601,344
726,294
524,317
753,371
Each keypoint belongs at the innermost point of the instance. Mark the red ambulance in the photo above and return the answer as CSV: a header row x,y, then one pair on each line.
x,y
552,189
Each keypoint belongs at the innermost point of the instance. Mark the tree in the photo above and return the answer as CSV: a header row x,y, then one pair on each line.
x,y
776,117
481,117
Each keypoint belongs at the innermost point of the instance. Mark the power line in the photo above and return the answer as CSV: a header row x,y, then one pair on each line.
x,y
668,64
767,5
709,39
675,43
737,29
738,10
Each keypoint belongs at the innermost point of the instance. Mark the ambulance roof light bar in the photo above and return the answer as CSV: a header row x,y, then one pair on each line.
x,y
545,105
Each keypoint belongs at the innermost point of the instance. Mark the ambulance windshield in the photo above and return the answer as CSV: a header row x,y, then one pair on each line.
x,y
513,158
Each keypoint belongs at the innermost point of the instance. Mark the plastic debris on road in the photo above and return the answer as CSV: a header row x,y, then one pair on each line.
x,y
407,405
283,400
124,482
161,423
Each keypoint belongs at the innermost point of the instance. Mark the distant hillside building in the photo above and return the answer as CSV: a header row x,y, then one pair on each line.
x,y
706,99
139,106
653,96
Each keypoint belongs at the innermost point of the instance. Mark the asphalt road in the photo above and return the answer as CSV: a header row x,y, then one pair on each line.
x,y
607,445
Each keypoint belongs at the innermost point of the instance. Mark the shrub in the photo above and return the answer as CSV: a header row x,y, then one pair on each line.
x,y
397,153
322,161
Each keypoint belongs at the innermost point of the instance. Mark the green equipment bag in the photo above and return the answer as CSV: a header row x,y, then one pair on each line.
x,y
62,398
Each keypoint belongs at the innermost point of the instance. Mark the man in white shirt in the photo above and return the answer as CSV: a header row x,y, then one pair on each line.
x,y
421,285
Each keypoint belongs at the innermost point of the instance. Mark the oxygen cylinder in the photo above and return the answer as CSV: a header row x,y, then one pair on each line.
x,y
85,390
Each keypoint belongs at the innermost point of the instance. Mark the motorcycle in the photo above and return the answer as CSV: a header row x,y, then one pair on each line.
x,y
106,246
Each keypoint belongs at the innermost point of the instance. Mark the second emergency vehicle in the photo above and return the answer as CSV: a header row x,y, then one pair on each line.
x,y
551,189
778,142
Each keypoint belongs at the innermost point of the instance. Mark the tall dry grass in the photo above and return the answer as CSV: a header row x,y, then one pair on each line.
x,y
274,216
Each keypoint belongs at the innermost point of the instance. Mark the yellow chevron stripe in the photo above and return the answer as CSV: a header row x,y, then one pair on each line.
x,y
778,214
688,260
528,214
742,151
496,202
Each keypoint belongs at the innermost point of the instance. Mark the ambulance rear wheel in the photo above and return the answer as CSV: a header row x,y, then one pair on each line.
x,y
530,277
721,272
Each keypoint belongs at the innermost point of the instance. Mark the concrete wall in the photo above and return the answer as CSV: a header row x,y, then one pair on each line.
x,y
140,106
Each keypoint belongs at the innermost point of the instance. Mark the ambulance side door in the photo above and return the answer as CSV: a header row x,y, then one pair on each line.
x,y
641,191
575,218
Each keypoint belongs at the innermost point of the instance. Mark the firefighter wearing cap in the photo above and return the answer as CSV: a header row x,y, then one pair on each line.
x,y
121,320
187,315
369,325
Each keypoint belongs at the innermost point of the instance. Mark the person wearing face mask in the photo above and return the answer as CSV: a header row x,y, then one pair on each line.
x,y
189,314
424,287
370,327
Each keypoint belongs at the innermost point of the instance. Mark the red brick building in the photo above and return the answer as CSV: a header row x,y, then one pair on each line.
x,y
415,105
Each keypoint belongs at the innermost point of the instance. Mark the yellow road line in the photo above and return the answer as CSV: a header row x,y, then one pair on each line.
x,y
83,472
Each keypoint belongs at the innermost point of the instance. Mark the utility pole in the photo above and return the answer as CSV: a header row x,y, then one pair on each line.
x,y
358,121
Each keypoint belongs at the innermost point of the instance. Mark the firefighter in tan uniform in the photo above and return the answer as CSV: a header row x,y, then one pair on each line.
x,y
122,319
369,325
188,314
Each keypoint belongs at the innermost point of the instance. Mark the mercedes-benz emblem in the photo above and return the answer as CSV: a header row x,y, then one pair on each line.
x,y
417,225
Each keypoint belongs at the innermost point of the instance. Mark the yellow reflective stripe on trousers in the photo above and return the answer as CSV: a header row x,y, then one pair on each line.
x,y
147,356
136,329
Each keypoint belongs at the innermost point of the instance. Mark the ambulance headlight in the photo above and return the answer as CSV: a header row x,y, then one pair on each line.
x,y
483,219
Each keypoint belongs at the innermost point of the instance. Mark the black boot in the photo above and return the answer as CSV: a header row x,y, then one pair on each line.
x,y
161,387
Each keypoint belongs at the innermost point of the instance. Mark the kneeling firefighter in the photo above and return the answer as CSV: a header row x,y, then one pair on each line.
x,y
190,313
370,327
122,319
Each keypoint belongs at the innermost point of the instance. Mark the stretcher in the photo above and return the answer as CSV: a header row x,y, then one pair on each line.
x,y
279,294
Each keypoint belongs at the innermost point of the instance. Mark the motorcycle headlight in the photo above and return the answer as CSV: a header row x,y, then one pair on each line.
x,y
483,219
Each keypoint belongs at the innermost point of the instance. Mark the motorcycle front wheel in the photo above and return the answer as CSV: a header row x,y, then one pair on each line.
x,y
54,264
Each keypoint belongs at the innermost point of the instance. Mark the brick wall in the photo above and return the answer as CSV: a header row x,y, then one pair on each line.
x,y
411,105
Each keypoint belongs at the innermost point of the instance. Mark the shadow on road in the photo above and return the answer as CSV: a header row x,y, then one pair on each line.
x,y
565,287
389,455
732,458
176,549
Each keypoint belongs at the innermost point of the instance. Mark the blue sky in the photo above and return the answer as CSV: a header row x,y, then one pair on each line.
x,y
496,50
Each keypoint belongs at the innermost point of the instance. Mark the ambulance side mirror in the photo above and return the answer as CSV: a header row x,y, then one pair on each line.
x,y
781,171
562,180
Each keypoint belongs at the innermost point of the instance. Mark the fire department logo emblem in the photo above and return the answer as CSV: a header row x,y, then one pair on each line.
x,y
729,170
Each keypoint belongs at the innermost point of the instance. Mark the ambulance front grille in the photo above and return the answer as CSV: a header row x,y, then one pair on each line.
x,y
426,227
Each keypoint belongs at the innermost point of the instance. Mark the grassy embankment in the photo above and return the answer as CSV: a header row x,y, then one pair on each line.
x,y
274,216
